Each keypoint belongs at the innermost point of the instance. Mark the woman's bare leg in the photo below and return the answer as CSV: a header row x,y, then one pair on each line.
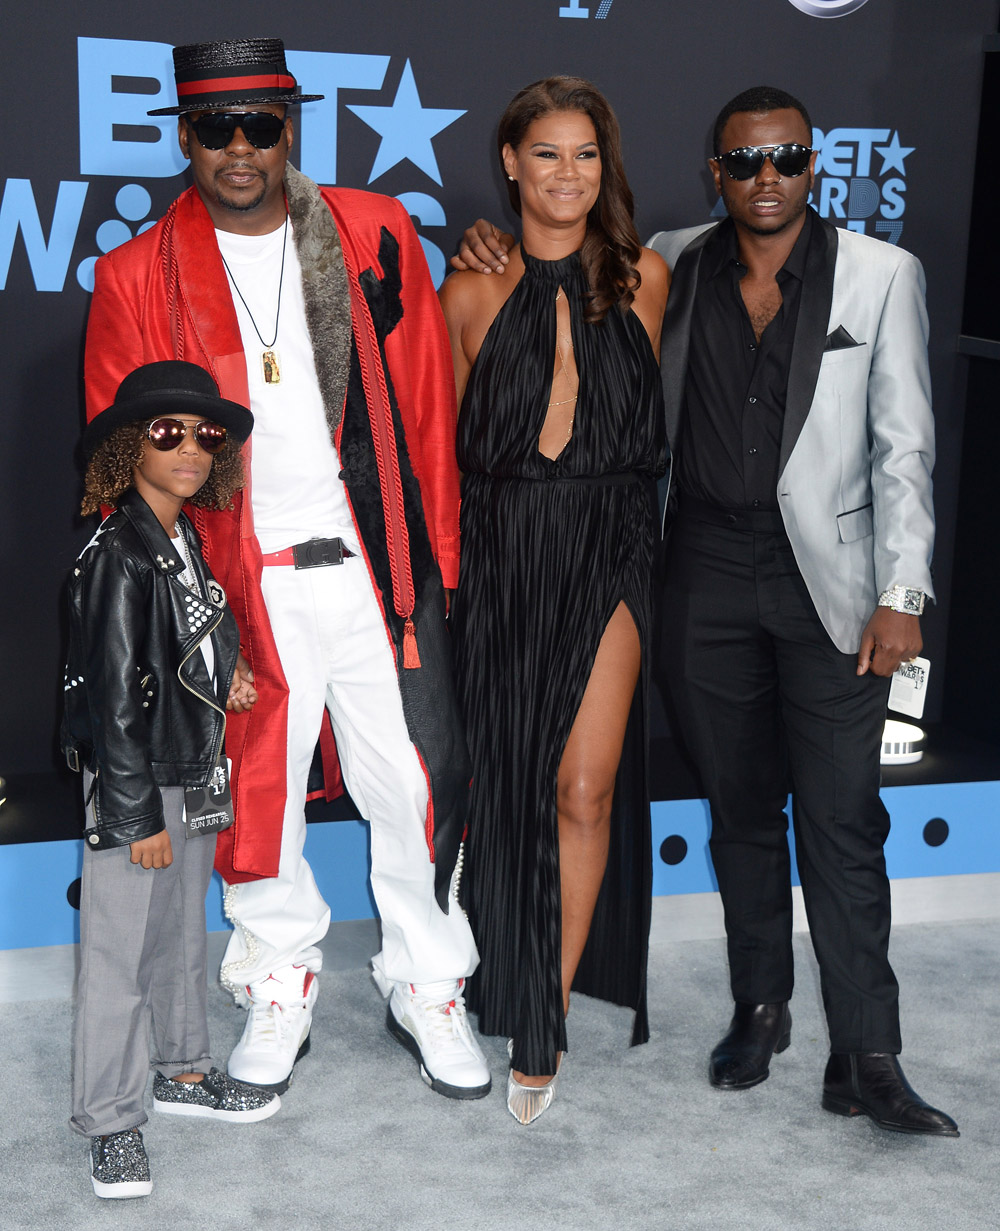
x,y
585,790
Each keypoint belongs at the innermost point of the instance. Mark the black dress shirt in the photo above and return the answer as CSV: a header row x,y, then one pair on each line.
x,y
734,399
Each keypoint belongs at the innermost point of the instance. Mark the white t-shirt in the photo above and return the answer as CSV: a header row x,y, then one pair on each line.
x,y
296,492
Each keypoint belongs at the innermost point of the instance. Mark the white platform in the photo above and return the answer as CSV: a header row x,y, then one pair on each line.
x,y
49,973
917,899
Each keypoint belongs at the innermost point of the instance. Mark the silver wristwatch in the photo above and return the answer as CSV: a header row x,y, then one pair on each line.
x,y
903,599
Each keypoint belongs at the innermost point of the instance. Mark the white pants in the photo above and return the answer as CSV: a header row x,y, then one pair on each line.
x,y
335,652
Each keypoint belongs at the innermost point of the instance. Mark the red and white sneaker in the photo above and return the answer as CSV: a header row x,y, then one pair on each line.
x,y
430,1021
276,1034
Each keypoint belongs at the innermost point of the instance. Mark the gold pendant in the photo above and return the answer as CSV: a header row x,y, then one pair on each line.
x,y
270,367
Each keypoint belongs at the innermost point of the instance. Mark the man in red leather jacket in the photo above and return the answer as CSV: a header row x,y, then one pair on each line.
x,y
314,308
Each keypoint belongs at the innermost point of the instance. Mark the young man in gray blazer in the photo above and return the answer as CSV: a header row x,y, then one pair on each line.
x,y
797,566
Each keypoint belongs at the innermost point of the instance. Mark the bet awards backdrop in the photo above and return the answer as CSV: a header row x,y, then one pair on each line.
x,y
413,92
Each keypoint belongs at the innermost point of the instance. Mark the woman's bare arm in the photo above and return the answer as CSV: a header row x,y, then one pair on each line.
x,y
651,298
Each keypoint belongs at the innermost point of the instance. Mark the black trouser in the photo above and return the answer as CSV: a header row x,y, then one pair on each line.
x,y
767,702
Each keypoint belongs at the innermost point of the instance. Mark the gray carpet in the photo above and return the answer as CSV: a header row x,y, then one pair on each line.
x,y
635,1139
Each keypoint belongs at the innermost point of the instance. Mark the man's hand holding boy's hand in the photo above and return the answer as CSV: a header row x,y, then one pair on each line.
x,y
242,694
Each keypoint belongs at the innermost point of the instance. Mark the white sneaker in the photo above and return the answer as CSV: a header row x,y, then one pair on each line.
x,y
276,1035
430,1021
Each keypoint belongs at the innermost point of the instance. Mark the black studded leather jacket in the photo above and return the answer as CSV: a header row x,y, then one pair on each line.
x,y
140,710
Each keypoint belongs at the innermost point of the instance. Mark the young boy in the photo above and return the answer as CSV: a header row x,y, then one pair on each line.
x,y
152,668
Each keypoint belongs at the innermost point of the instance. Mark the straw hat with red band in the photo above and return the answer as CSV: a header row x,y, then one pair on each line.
x,y
236,73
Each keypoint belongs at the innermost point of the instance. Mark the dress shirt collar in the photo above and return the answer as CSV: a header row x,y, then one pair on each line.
x,y
722,250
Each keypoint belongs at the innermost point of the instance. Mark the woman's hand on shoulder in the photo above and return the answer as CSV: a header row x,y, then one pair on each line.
x,y
483,248
651,298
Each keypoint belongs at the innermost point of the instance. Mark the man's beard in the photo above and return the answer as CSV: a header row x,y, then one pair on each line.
x,y
242,206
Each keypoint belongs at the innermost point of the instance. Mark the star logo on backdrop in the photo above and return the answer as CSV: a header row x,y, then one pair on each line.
x,y
406,129
893,155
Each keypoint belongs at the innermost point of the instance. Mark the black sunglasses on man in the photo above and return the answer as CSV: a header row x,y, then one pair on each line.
x,y
215,129
789,160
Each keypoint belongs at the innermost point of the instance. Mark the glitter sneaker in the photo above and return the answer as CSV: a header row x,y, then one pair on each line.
x,y
276,1035
430,1021
216,1095
119,1166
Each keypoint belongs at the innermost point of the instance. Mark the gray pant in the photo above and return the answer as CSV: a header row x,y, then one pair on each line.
x,y
142,975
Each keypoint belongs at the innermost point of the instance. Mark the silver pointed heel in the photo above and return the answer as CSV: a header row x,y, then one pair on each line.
x,y
526,1103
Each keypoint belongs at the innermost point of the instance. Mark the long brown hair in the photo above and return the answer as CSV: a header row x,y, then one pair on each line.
x,y
611,247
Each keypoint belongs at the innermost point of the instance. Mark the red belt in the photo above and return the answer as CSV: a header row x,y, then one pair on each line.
x,y
314,553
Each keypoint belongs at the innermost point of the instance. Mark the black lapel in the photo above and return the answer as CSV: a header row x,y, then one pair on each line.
x,y
677,333
158,543
810,334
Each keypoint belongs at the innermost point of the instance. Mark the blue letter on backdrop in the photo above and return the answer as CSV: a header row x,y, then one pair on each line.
x,y
103,63
326,72
429,213
48,261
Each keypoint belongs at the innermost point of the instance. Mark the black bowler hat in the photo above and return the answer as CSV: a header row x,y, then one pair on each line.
x,y
236,73
170,387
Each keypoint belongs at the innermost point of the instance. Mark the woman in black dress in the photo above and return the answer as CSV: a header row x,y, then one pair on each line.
x,y
560,442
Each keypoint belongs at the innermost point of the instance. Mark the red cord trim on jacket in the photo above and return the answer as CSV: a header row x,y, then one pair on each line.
x,y
171,280
397,534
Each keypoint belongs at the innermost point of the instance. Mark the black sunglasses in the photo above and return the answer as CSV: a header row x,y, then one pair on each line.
x,y
165,434
788,160
215,129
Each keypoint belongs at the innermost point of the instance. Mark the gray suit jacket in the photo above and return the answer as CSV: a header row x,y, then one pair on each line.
x,y
857,447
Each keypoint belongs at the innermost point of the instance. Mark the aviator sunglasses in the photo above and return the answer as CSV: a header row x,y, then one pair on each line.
x,y
788,160
215,129
166,434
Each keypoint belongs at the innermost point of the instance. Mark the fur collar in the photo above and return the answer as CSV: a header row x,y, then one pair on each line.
x,y
324,288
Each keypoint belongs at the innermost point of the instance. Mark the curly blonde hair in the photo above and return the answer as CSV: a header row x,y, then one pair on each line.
x,y
109,472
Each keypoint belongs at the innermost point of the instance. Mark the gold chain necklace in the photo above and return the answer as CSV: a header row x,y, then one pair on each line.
x,y
561,340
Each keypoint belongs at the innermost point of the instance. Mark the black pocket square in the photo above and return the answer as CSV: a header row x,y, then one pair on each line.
x,y
840,339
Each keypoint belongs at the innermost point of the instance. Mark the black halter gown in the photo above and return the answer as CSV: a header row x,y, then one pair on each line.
x,y
549,550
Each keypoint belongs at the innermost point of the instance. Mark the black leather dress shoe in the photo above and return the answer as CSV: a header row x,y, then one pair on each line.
x,y
872,1084
756,1032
